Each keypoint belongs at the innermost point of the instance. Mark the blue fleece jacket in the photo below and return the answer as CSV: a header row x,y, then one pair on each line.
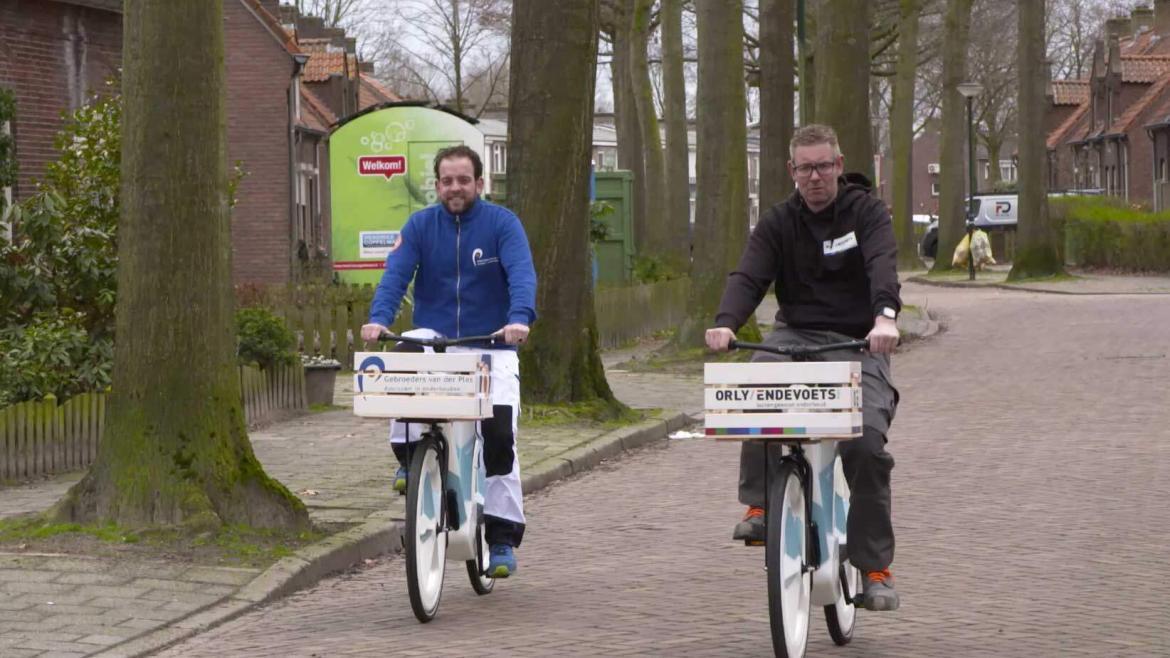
x,y
474,272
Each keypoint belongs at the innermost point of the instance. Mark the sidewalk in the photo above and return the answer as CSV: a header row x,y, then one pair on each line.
x,y
1079,283
339,465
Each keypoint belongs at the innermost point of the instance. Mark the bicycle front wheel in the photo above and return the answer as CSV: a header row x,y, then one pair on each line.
x,y
786,549
426,536
841,616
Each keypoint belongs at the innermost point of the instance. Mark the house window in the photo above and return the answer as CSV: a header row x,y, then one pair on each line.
x,y
499,158
1162,170
1007,170
933,188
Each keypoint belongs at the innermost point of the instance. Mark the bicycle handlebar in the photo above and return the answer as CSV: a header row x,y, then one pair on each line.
x,y
799,350
441,343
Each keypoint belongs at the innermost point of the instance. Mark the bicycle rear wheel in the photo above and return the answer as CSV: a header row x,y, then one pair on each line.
x,y
786,549
426,537
841,616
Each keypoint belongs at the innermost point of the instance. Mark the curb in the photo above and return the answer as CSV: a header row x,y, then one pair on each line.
x,y
379,535
1025,288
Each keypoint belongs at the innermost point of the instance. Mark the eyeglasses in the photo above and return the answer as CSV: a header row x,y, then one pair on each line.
x,y
822,168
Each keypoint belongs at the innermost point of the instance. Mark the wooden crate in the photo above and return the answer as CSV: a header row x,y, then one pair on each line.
x,y
789,401
422,385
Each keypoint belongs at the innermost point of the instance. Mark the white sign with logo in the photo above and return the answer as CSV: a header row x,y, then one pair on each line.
x,y
376,244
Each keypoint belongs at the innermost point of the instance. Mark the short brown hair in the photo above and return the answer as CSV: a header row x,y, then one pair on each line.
x,y
458,152
811,135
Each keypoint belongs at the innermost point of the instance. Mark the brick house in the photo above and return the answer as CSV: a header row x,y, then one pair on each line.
x,y
1104,142
53,56
925,156
281,100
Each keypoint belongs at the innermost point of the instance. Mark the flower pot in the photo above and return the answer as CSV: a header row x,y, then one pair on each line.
x,y
319,383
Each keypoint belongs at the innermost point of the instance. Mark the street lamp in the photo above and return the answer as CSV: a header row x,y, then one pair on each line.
x,y
970,90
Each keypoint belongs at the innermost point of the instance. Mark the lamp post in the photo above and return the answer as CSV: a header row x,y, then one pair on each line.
x,y
970,90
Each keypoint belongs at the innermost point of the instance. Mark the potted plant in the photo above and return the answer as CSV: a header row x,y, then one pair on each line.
x,y
320,378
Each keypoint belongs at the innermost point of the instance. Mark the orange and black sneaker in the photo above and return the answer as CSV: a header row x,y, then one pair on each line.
x,y
878,591
751,529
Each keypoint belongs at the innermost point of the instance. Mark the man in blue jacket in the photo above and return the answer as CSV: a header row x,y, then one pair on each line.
x,y
473,275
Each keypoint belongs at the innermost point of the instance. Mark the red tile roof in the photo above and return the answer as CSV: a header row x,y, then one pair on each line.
x,y
1144,68
1066,130
326,60
1070,92
373,92
1146,43
315,114
1144,102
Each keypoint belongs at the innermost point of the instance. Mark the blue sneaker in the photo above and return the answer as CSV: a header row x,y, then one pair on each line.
x,y
503,563
400,480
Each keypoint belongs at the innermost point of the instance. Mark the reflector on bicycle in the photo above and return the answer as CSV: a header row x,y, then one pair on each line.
x,y
408,385
793,401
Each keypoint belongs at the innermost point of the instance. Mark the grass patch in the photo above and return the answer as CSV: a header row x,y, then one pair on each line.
x,y
594,414
238,546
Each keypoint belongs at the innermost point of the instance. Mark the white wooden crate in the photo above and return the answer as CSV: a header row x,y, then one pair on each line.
x,y
422,385
781,400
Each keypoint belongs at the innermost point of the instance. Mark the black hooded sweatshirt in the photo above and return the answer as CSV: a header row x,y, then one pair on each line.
x,y
835,269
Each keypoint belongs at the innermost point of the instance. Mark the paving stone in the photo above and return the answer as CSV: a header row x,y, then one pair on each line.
x,y
1028,487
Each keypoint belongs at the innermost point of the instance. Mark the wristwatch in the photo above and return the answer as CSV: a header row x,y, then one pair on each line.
x,y
889,313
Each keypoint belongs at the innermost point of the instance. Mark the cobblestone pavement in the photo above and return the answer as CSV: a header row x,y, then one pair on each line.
x,y
1030,498
339,465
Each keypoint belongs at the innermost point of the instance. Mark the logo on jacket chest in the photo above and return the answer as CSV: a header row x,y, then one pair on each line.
x,y
477,258
843,243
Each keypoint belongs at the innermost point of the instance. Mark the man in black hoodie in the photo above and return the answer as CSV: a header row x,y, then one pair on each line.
x,y
831,251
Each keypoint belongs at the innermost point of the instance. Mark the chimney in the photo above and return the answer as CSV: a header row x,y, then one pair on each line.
x,y
288,14
1162,17
310,27
366,67
1114,56
1117,27
351,45
1142,18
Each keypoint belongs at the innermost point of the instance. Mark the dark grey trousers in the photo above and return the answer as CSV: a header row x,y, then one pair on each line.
x,y
865,460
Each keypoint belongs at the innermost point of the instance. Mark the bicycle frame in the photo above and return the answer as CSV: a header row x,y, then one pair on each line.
x,y
827,512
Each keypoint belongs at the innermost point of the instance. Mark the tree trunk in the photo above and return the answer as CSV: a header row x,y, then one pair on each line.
x,y
993,145
1037,252
554,54
175,449
902,137
678,176
631,154
721,217
843,80
649,182
806,40
952,205
777,88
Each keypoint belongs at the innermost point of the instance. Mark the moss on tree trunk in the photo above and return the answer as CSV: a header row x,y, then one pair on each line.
x,y
554,50
175,449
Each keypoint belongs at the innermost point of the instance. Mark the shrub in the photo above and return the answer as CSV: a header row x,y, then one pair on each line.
x,y
55,354
650,269
264,338
1105,232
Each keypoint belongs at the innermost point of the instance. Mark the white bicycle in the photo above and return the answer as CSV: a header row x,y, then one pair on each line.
x,y
448,394
799,410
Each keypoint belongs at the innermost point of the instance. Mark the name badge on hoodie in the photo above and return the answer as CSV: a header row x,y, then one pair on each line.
x,y
843,243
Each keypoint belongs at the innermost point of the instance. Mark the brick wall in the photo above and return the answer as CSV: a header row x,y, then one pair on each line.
x,y
52,55
259,73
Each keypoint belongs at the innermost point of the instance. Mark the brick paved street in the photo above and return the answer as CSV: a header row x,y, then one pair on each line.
x,y
1030,503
